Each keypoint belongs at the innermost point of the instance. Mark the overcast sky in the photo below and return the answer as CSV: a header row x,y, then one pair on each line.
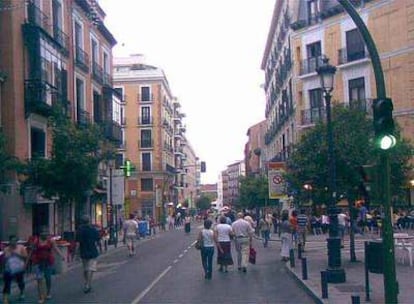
x,y
211,52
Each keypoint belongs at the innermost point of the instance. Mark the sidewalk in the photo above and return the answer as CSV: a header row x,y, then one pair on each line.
x,y
317,261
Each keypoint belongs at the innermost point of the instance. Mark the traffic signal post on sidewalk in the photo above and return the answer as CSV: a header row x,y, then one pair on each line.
x,y
383,127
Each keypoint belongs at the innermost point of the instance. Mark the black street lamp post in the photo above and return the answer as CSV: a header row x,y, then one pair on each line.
x,y
336,274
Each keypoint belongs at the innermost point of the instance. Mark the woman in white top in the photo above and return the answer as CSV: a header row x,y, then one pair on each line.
x,y
207,236
224,233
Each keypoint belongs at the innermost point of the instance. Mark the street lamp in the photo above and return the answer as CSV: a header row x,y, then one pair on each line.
x,y
336,274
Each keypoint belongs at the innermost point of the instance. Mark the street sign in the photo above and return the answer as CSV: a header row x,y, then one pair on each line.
x,y
277,182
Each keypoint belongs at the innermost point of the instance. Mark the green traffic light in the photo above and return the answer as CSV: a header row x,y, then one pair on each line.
x,y
387,142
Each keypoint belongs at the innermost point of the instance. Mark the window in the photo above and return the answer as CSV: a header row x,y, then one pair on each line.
x,y
316,104
146,161
38,142
357,89
355,46
80,101
145,115
146,208
146,184
57,15
313,53
145,94
312,11
94,51
146,139
78,35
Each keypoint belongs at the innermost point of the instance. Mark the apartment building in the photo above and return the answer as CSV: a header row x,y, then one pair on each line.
x,y
154,140
54,53
253,151
234,172
308,30
281,105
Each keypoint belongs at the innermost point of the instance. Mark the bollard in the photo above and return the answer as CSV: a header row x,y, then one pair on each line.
x,y
299,251
304,269
324,284
355,299
292,258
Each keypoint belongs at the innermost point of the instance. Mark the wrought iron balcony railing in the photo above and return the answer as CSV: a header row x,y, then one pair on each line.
x,y
346,56
309,65
313,115
97,73
146,143
41,97
82,59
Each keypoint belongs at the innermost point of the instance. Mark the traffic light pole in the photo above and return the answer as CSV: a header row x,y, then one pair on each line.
x,y
390,279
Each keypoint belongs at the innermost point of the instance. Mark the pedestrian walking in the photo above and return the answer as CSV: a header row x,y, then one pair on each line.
x,y
209,240
293,219
224,234
187,223
43,260
265,225
87,238
342,220
243,232
14,260
286,236
130,229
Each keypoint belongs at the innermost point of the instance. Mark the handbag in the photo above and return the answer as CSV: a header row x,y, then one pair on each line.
x,y
252,255
199,243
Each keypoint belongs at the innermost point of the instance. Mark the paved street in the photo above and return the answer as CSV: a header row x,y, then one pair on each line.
x,y
167,269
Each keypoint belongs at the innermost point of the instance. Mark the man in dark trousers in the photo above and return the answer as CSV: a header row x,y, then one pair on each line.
x,y
87,238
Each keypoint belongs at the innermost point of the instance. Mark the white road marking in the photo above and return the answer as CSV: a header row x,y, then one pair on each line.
x,y
181,255
143,293
175,261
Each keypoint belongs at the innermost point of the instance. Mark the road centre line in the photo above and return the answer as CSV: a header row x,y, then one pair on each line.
x,y
146,290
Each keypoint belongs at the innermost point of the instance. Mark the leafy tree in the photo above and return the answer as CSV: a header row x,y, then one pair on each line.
x,y
353,147
254,191
7,162
203,202
73,167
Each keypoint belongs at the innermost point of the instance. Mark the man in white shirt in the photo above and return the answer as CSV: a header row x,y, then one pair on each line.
x,y
130,233
243,232
342,218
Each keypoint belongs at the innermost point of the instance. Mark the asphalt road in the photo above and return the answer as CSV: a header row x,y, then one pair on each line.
x,y
167,269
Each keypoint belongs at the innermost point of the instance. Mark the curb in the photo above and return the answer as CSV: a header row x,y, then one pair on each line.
x,y
310,291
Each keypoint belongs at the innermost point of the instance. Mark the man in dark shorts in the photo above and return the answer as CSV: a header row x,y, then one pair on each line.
x,y
87,238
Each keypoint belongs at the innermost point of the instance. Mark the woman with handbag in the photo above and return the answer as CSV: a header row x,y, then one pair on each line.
x,y
14,258
208,240
224,234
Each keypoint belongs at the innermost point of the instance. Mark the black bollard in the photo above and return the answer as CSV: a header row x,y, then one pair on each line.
x,y
292,258
324,284
304,269
355,299
299,251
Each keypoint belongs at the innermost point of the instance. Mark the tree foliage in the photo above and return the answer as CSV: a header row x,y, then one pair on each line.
x,y
73,167
353,147
254,191
7,161
203,202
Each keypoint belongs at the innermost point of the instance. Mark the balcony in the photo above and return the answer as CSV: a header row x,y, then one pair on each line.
x,y
145,143
37,20
347,56
309,65
97,73
146,98
107,80
145,120
81,59
313,116
112,131
83,117
42,98
62,39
